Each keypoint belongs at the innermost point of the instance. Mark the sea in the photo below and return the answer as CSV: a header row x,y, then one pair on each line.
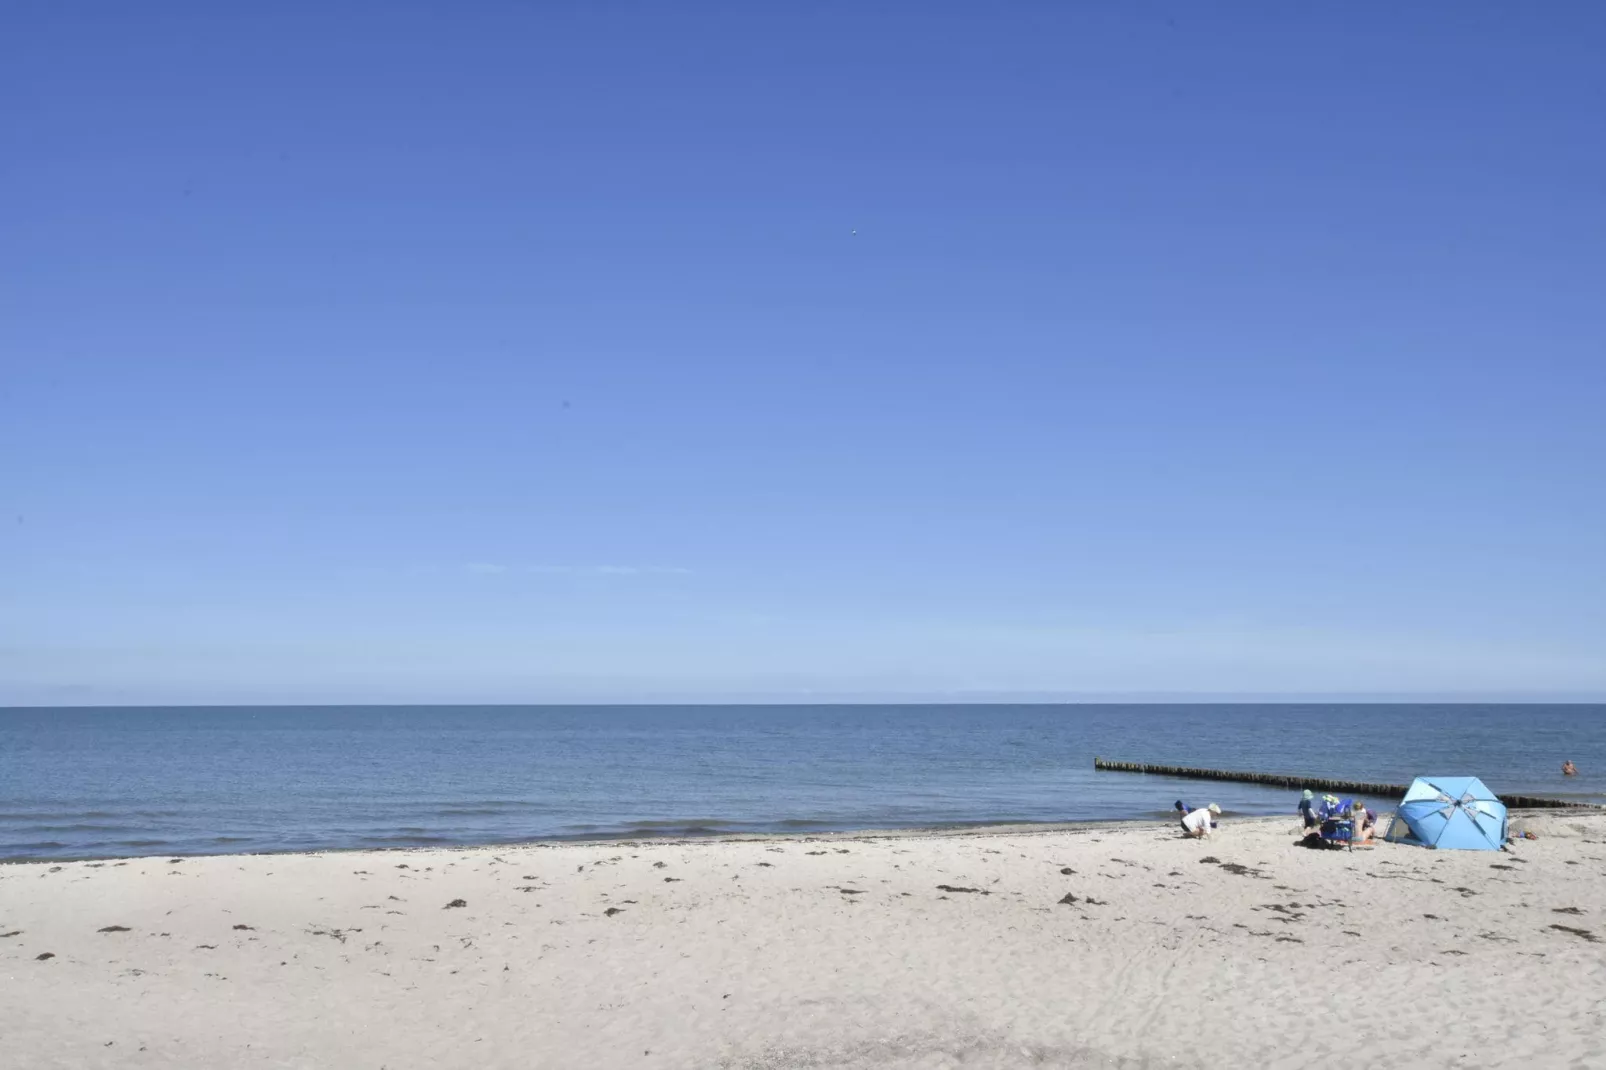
x,y
103,783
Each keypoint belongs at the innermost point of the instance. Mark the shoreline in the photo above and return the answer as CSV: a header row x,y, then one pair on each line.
x,y
912,832
993,828
1025,828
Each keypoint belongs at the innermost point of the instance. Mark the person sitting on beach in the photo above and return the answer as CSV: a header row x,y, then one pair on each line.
x,y
1307,811
1198,823
1568,768
1363,824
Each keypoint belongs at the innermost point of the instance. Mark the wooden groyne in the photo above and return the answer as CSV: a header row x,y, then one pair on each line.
x,y
1324,784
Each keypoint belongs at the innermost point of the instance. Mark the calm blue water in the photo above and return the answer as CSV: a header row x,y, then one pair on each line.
x,y
108,782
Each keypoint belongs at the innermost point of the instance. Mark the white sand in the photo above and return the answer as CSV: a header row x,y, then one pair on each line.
x,y
751,953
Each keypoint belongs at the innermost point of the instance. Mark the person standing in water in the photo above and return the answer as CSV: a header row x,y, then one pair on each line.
x,y
1568,768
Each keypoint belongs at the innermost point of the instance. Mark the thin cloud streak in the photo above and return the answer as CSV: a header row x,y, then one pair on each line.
x,y
483,568
607,570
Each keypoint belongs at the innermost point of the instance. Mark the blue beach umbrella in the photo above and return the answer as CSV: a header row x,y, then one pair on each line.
x,y
1455,812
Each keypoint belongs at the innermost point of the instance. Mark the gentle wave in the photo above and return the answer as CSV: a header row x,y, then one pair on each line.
x,y
83,815
660,829
488,811
70,828
669,827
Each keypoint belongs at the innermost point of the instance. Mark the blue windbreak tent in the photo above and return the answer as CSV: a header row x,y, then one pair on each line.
x,y
1454,812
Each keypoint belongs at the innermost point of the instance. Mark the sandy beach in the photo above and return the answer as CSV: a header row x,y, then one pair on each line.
x,y
1088,947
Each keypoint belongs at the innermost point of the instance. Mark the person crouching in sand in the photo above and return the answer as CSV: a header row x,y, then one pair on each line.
x,y
1197,824
1363,824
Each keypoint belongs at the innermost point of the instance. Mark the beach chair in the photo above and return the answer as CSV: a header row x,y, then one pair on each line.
x,y
1338,832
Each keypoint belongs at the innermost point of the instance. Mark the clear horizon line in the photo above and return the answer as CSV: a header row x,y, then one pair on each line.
x,y
1147,698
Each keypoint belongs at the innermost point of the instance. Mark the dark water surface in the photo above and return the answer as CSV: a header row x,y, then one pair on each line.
x,y
78,783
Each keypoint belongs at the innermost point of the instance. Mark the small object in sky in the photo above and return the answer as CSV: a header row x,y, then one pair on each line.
x,y
855,230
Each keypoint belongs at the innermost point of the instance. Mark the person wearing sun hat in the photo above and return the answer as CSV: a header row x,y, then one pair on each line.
x,y
1307,810
1198,823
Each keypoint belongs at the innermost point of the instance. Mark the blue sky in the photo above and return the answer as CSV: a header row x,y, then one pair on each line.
x,y
550,352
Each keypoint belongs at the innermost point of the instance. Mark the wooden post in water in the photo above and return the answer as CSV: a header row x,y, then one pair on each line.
x,y
1326,784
